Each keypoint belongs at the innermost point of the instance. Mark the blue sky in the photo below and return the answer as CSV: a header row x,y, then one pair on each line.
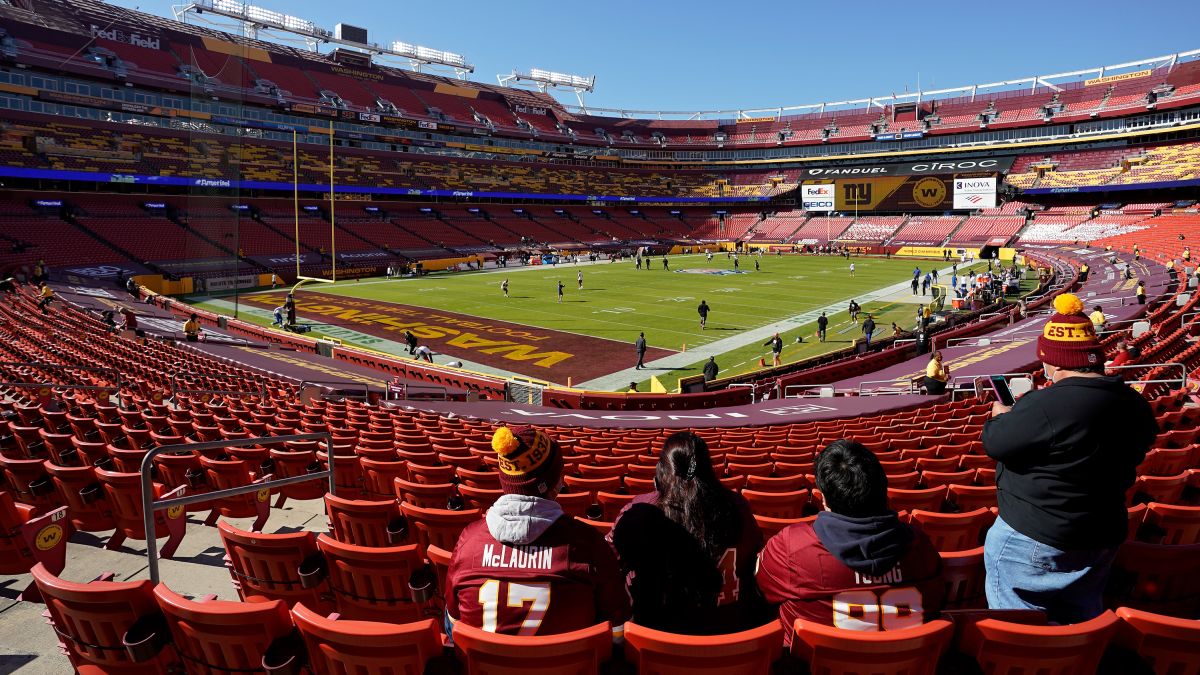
x,y
702,54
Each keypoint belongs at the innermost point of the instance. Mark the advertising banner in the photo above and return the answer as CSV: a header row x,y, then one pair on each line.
x,y
975,193
915,168
817,196
893,193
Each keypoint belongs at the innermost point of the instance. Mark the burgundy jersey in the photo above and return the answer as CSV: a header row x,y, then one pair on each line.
x,y
799,574
674,583
565,580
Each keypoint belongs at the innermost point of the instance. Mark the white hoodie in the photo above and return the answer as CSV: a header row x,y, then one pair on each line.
x,y
520,519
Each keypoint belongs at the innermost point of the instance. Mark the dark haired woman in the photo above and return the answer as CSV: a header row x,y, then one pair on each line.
x,y
689,548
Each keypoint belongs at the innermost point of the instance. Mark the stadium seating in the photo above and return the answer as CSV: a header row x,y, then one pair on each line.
x,y
1003,647
580,651
652,651
346,646
912,651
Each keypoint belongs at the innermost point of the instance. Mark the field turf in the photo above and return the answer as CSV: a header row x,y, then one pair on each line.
x,y
618,301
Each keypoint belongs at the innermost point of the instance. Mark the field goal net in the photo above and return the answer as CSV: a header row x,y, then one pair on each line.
x,y
525,390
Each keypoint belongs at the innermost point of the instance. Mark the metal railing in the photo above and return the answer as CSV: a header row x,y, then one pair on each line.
x,y
405,390
115,375
261,392
149,505
894,390
789,390
1181,380
339,385
990,341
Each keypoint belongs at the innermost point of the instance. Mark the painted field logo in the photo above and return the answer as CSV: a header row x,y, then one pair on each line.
x,y
929,192
710,271
48,537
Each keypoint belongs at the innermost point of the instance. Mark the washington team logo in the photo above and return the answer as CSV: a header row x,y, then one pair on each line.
x,y
929,192
710,271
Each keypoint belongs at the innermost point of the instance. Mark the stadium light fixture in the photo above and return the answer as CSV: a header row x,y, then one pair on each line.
x,y
544,80
254,18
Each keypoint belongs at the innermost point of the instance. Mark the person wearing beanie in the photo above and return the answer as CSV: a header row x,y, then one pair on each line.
x,y
1066,455
857,564
528,568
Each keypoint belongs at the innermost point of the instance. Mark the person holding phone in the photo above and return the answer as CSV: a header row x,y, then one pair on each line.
x,y
936,374
1066,455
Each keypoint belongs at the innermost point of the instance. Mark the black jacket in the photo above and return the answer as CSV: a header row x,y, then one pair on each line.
x,y
710,371
640,345
1066,456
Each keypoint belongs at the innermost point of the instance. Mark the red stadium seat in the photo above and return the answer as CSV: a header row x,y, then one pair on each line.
x,y
954,531
1170,524
478,498
370,584
1162,489
787,505
972,497
91,619
611,504
1015,649
835,651
579,652
337,647
269,565
424,495
1156,578
964,576
364,523
929,499
124,494
1167,644
785,483
750,651
80,490
772,526
220,637
438,527
378,477
935,478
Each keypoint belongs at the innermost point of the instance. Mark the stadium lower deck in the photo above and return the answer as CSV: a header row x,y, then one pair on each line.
x,y
63,440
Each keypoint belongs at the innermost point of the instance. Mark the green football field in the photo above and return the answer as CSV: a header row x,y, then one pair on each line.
x,y
618,301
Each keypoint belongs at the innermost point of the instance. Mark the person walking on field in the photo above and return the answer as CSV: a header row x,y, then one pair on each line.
x,y
710,369
916,283
822,326
702,310
868,329
579,280
411,341
757,268
851,269
776,345
666,265
560,291
504,287
640,346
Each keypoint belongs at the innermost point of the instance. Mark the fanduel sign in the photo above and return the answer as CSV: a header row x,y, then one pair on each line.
x,y
989,164
817,197
975,193
128,38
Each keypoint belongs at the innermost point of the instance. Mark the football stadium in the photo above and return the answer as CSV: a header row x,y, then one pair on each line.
x,y
321,354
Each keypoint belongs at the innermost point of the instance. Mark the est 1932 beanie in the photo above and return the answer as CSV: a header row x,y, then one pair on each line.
x,y
1068,339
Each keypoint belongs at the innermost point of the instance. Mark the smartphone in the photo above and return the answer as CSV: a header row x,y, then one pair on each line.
x,y
1003,393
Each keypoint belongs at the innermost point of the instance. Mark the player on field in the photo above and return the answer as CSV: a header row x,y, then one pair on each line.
x,y
666,265
853,311
702,310
735,261
851,269
579,279
756,265
527,568
560,290
504,287
776,345
708,256
689,548
857,566
822,325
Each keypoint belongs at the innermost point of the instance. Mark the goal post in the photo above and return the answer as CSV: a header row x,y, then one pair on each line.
x,y
300,278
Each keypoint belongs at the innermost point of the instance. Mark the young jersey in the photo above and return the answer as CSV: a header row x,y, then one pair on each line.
x,y
797,572
566,580
675,585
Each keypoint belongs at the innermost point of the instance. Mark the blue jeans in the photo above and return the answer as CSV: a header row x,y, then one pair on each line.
x,y
1026,574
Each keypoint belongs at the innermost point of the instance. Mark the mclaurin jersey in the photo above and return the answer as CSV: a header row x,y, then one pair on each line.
x,y
566,580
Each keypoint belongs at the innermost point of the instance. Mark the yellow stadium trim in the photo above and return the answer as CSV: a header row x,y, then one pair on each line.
x,y
1069,332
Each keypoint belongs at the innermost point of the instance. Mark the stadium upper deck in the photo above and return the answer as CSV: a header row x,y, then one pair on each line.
x,y
115,45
